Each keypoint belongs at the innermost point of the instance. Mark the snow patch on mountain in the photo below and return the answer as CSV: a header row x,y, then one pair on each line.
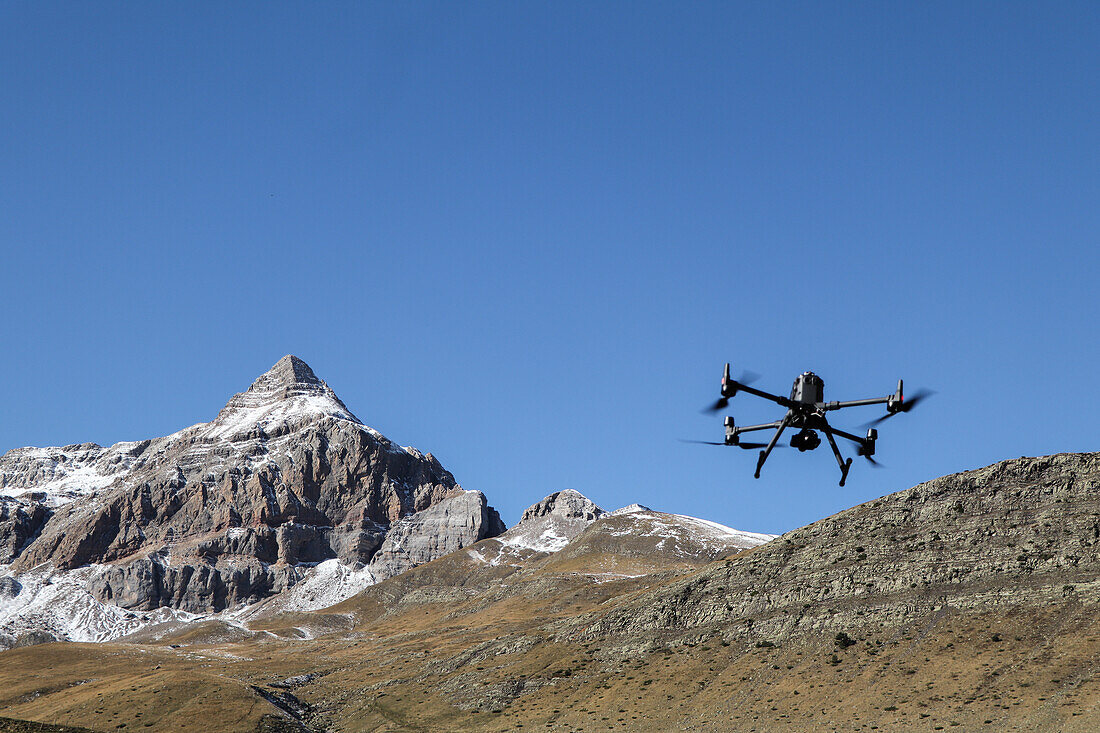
x,y
64,474
630,509
680,535
59,604
266,415
328,583
660,524
552,524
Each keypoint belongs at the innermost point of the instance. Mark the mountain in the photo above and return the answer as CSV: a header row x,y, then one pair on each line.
x,y
634,535
96,542
967,602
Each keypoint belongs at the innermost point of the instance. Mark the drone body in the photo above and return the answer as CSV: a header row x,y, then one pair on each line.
x,y
806,408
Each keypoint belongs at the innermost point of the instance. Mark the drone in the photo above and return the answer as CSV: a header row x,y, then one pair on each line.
x,y
806,408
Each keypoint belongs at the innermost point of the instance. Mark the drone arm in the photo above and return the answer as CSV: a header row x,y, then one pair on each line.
x,y
894,402
750,428
731,387
857,403
775,439
844,464
841,433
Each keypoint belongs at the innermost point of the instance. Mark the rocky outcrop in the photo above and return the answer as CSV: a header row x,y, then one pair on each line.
x,y
450,525
1021,532
147,583
230,511
568,504
549,525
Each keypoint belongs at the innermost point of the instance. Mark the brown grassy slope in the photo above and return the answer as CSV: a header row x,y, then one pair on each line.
x,y
8,725
438,610
980,615
1030,670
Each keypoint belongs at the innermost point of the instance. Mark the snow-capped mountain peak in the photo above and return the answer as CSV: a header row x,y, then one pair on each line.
x,y
284,395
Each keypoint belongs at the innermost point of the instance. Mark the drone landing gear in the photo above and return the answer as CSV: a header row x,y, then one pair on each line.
x,y
844,471
775,439
844,464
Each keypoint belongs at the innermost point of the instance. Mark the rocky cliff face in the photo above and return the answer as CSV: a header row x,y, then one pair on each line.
x,y
234,510
20,522
439,530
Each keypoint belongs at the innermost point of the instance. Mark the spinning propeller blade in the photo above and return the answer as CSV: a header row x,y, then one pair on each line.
x,y
744,446
755,446
748,377
905,406
722,403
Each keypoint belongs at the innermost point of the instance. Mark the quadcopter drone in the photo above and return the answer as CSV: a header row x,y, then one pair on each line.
x,y
806,408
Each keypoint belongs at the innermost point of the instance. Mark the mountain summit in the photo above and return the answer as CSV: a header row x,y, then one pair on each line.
x,y
290,378
288,371
283,396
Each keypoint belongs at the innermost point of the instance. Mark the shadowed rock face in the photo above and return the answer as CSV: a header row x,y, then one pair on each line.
x,y
20,521
223,512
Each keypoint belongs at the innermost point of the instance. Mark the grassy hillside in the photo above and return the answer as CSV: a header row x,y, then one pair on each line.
x,y
968,603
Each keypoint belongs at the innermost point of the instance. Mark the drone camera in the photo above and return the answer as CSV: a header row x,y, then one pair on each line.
x,y
805,440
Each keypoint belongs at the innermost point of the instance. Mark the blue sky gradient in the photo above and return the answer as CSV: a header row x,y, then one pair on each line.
x,y
527,236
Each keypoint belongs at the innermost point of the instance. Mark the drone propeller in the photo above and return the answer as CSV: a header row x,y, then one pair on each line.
x,y
723,402
720,404
859,452
873,462
905,406
744,446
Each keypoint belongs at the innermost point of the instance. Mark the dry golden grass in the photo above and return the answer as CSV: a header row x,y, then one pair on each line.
x,y
457,646
1032,670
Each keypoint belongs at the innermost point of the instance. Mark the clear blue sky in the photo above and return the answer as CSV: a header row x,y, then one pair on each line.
x,y
527,236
